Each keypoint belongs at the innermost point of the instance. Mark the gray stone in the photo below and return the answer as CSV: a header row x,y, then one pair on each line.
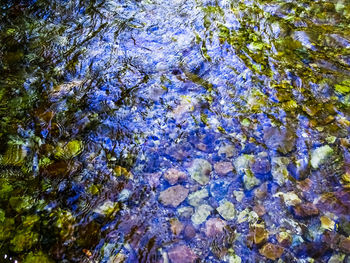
x,y
200,170
201,213
173,196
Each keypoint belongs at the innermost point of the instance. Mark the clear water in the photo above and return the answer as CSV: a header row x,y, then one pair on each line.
x,y
99,99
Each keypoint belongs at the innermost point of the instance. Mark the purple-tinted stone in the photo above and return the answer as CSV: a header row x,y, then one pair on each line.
x,y
181,254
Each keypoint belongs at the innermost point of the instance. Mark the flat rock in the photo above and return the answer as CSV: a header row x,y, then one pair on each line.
x,y
173,196
226,210
271,251
261,165
197,198
257,234
214,227
181,254
201,213
173,175
320,155
280,139
305,210
223,168
200,170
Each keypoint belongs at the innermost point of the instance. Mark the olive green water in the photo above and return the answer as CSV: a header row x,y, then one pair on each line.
x,y
174,131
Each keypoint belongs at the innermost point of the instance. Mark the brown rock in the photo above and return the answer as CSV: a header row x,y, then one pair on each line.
x,y
181,254
257,235
336,202
214,227
259,209
173,196
173,175
304,185
271,251
261,192
284,238
176,226
280,139
223,168
305,210
344,244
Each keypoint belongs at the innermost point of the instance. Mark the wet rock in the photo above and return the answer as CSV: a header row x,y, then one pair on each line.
x,y
305,210
200,170
197,198
336,258
247,215
289,198
181,254
239,195
257,235
189,232
176,226
173,175
261,165
226,210
304,185
280,139
153,179
344,244
228,150
185,212
223,168
249,180
243,162
261,192
284,238
201,213
214,227
336,202
271,251
279,169
259,209
234,259
173,196
107,208
320,155
327,223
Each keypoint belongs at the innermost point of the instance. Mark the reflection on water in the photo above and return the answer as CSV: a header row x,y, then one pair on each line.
x,y
174,131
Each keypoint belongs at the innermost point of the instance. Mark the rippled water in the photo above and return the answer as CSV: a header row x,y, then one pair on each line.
x,y
175,131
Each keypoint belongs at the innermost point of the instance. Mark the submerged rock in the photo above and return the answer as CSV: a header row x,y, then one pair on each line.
x,y
176,226
250,181
319,155
201,213
214,227
181,254
289,198
173,175
200,170
243,162
279,169
185,212
305,210
223,168
257,234
271,251
173,196
261,165
197,198
280,139
226,210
